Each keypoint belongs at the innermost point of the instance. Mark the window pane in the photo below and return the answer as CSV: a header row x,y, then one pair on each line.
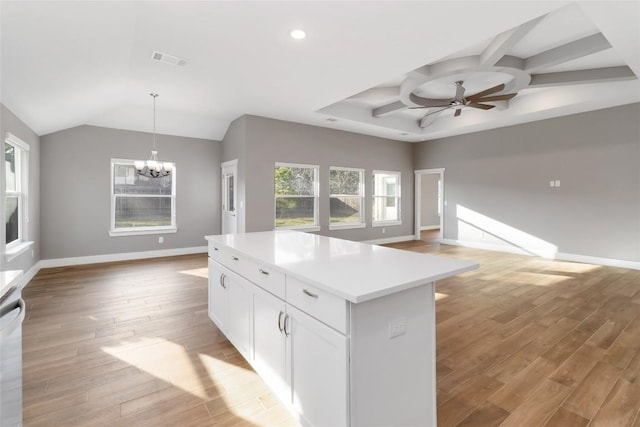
x,y
126,180
143,212
344,182
385,209
293,180
294,211
345,209
385,184
10,167
230,198
12,219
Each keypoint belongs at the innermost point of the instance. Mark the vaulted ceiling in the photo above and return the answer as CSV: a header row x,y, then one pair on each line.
x,y
365,67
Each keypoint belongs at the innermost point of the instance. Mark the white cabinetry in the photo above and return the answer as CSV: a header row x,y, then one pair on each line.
x,y
319,367
343,332
230,306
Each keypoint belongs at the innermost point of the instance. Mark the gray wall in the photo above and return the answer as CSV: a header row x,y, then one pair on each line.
x,y
269,141
9,122
504,175
76,190
429,200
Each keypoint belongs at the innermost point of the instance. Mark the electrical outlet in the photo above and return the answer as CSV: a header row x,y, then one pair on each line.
x,y
552,183
382,230
557,183
397,327
161,239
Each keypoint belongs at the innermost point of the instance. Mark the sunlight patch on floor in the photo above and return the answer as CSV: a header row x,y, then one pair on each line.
x,y
198,272
440,296
166,361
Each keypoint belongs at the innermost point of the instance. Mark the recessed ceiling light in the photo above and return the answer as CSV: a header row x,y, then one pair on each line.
x,y
298,34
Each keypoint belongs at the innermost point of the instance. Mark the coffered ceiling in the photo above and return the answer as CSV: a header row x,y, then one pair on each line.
x,y
65,64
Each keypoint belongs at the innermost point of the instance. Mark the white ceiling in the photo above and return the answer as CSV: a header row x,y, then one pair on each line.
x,y
65,64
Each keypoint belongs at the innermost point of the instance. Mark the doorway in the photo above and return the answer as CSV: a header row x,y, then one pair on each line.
x,y
429,203
229,183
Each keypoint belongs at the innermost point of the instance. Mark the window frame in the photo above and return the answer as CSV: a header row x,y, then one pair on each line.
x,y
397,197
361,193
21,150
316,197
136,231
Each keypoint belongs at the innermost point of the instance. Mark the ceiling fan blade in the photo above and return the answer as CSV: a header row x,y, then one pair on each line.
x,y
504,97
459,91
486,92
480,106
458,112
428,102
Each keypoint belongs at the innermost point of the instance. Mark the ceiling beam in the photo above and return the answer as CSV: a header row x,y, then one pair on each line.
x,y
596,75
576,49
427,120
503,42
388,109
377,92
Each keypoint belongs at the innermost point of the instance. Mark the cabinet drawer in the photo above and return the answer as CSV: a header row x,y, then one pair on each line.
x,y
264,276
325,307
217,252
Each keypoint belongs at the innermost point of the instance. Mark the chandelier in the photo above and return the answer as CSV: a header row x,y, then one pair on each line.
x,y
153,168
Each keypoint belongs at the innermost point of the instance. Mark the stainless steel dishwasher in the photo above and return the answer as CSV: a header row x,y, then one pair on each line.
x,y
12,312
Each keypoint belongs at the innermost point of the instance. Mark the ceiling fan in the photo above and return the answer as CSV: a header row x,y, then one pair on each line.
x,y
459,101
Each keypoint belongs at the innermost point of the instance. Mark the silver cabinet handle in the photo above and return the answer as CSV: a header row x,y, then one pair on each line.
x,y
235,258
309,294
222,277
280,327
266,273
287,325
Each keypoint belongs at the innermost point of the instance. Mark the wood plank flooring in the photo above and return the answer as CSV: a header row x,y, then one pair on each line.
x,y
522,342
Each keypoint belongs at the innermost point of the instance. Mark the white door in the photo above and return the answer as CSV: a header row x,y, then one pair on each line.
x,y
229,183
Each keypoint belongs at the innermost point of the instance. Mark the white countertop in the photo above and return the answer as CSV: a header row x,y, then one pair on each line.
x,y
355,271
8,279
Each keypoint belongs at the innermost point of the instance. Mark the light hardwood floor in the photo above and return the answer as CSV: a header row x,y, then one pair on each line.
x,y
520,342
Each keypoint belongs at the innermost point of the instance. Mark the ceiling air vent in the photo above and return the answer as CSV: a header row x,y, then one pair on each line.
x,y
168,59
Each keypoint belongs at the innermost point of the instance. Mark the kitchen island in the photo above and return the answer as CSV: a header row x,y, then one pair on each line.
x,y
343,332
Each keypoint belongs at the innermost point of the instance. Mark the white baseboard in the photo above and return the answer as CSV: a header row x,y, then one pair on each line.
x,y
390,240
560,256
429,227
94,259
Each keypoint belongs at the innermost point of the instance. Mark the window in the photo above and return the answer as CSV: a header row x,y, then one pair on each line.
x,y
386,198
141,205
296,194
16,158
346,200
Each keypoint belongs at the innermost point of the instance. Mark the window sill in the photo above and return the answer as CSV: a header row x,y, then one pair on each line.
x,y
386,223
309,228
16,250
141,231
339,226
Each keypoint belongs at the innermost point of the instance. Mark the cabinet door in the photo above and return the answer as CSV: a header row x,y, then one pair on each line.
x,y
318,362
218,296
240,308
269,342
